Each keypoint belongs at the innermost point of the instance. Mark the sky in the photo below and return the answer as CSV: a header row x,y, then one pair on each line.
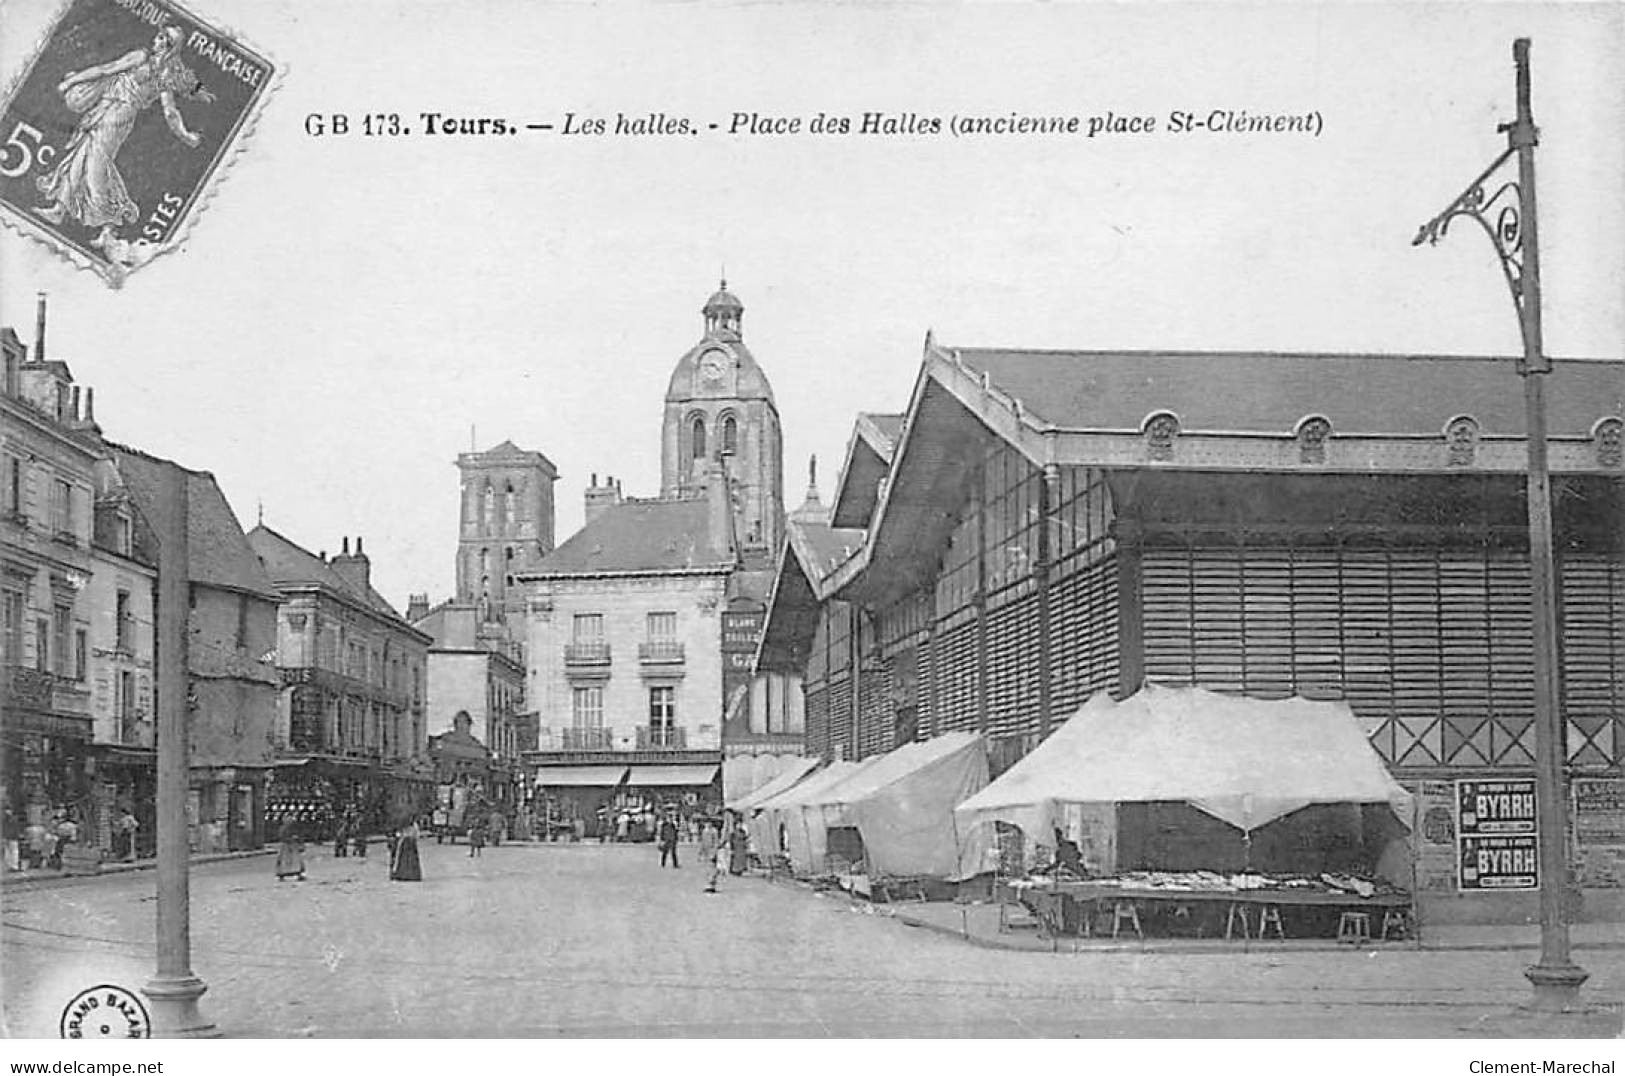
x,y
347,314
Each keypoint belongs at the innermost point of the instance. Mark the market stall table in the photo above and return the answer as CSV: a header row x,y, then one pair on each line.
x,y
1047,898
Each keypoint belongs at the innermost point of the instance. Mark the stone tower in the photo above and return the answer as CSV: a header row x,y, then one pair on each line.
x,y
506,526
719,407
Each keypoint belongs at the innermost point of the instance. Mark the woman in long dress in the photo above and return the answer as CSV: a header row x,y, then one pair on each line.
x,y
405,866
290,856
85,185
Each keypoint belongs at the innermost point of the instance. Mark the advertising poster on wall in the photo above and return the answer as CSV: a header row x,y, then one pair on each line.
x,y
1599,831
1495,827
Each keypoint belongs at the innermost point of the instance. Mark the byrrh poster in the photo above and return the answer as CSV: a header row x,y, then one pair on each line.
x,y
591,416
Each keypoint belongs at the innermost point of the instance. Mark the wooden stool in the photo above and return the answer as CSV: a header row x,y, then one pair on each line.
x,y
1270,916
1398,920
1236,915
1122,911
1354,928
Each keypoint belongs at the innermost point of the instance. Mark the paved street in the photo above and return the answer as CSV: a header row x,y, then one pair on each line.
x,y
591,940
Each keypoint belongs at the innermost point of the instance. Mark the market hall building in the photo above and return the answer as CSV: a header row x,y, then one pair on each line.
x,y
1040,526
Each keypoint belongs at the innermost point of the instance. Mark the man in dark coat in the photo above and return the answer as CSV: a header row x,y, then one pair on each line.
x,y
668,840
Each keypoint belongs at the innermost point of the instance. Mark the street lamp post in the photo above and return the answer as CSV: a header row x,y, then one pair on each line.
x,y
1508,216
174,990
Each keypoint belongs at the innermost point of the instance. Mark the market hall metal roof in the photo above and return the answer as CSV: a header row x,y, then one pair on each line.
x,y
1217,412
868,455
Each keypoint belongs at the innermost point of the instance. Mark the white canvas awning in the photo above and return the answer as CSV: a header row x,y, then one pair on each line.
x,y
903,805
672,776
787,779
580,776
1245,761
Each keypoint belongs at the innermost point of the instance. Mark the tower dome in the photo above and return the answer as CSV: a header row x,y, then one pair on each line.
x,y
723,313
720,413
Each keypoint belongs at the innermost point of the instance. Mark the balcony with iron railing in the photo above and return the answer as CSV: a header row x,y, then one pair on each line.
x,y
661,652
586,655
587,739
662,739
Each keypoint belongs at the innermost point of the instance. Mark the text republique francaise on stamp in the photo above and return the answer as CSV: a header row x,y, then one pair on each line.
x,y
120,125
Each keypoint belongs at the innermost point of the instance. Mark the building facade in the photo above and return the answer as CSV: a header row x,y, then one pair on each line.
x,y
48,453
351,733
1335,527
123,665
231,645
625,659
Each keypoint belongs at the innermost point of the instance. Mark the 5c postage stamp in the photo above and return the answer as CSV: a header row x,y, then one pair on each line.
x,y
116,132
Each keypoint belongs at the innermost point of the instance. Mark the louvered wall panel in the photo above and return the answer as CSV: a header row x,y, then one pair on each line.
x,y
1014,644
956,671
1169,597
1317,625
1433,648
817,721
1417,655
876,716
1367,631
1464,639
1216,604
925,700
1267,623
1068,614
1594,659
840,717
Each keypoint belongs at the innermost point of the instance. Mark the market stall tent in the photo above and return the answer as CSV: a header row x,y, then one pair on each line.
x,y
788,778
903,805
1245,761
786,814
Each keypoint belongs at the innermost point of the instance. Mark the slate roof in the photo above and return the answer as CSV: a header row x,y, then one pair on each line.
x,y
823,548
880,430
218,553
641,536
1271,391
290,566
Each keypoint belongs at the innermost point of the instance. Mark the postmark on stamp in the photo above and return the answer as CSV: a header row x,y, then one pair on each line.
x,y
118,128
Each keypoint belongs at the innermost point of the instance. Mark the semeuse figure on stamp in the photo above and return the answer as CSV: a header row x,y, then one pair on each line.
x,y
86,185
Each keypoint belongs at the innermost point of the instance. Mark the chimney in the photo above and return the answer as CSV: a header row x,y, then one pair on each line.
x,y
90,406
73,406
417,607
355,570
719,506
39,331
600,498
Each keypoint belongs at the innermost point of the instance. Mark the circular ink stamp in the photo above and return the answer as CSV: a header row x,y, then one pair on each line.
x,y
105,1012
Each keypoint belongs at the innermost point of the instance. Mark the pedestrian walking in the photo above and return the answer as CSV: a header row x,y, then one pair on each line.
x,y
341,838
738,847
124,835
711,854
668,841
476,839
12,838
623,824
290,856
405,866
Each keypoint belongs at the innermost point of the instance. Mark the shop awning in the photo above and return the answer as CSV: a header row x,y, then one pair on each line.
x,y
580,776
673,776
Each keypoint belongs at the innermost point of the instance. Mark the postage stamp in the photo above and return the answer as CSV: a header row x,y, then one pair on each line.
x,y
116,132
